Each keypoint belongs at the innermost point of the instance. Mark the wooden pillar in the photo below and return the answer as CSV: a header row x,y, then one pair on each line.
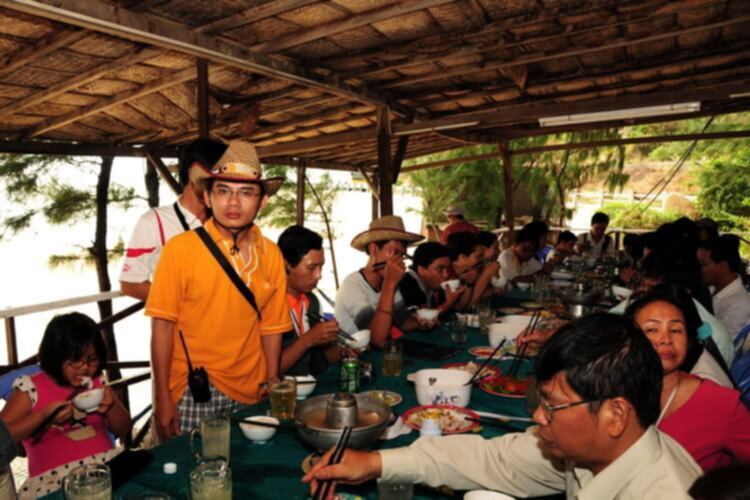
x,y
507,161
375,207
164,172
11,341
300,192
385,176
203,117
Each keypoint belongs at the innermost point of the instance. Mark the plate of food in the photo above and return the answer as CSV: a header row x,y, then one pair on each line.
x,y
483,352
512,350
511,310
472,367
452,418
388,397
505,386
531,305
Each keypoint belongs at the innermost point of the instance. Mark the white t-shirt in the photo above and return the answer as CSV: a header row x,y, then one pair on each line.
x,y
511,268
151,232
732,306
586,244
356,302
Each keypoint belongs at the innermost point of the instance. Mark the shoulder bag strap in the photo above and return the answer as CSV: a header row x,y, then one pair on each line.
x,y
181,217
228,269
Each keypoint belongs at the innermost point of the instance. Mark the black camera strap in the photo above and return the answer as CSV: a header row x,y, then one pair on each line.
x,y
180,217
228,269
187,354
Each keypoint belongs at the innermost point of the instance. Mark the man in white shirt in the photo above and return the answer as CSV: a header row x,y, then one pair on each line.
x,y
599,389
517,263
721,265
159,225
596,243
369,298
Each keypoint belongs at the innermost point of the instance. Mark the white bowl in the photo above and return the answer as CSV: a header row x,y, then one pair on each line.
x,y
427,314
88,401
523,285
505,331
515,318
561,275
452,284
362,339
304,390
561,283
256,433
499,281
621,292
486,495
447,387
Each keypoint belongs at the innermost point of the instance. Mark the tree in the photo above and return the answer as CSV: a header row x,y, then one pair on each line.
x,y
725,191
281,210
31,184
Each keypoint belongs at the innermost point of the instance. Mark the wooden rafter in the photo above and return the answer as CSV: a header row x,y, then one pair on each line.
x,y
40,49
170,80
400,8
253,15
97,15
68,149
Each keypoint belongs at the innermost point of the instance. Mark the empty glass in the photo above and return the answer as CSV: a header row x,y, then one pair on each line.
x,y
486,316
459,329
88,482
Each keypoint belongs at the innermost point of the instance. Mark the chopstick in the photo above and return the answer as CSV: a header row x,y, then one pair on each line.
x,y
42,428
486,362
326,298
260,424
317,318
321,492
519,360
381,264
500,422
501,417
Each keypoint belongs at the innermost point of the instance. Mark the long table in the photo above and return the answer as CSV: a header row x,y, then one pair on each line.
x,y
273,470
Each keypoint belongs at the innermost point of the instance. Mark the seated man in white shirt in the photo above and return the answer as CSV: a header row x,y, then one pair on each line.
x,y
564,248
369,298
599,383
720,265
159,225
517,263
596,243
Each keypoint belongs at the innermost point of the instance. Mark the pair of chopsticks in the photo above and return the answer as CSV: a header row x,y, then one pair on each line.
x,y
535,317
261,424
382,264
486,362
321,492
497,422
317,318
42,428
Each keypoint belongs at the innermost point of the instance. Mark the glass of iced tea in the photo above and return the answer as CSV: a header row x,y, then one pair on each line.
x,y
283,396
214,433
392,358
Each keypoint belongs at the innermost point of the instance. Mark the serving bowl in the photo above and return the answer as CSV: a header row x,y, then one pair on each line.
x,y
427,314
256,433
505,331
304,390
441,386
89,401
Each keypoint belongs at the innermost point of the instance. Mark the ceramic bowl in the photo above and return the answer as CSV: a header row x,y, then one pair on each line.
x,y
505,331
88,401
362,339
523,286
304,390
442,386
452,284
256,433
427,314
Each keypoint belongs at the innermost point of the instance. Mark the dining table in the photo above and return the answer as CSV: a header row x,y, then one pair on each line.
x,y
274,470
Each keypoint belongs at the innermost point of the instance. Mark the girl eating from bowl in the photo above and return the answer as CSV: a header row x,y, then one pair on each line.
x,y
708,420
72,356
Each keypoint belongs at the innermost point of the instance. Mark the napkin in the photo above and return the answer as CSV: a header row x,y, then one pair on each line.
x,y
399,428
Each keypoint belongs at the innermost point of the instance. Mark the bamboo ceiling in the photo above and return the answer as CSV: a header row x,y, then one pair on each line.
x,y
123,72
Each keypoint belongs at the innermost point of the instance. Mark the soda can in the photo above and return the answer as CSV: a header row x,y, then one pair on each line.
x,y
350,375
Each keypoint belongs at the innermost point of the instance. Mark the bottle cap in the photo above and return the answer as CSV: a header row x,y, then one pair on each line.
x,y
170,468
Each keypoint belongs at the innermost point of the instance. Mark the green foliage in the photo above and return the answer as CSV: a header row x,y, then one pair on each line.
x,y
725,191
63,260
632,216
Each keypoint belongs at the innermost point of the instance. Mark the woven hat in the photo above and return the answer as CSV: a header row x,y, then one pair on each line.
x,y
389,227
454,210
239,163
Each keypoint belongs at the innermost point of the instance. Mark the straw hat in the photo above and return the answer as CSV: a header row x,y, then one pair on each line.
x,y
454,210
239,163
389,227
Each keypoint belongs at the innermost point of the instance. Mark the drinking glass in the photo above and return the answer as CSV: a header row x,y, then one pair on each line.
x,y
392,359
214,433
486,316
283,395
211,480
459,329
88,482
395,491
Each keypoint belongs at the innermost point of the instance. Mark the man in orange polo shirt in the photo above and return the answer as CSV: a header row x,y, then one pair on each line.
x,y
192,296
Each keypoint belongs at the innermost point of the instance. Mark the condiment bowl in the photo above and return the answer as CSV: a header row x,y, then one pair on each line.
x,y
256,433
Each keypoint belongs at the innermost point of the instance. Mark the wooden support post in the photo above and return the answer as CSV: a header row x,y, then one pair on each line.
x,y
300,192
203,117
507,161
384,162
375,207
10,340
164,172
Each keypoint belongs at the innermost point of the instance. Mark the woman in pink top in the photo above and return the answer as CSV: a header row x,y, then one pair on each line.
x,y
708,420
71,355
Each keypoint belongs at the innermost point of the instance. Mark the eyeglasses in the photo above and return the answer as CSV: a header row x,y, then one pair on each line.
x,y
242,194
549,410
90,361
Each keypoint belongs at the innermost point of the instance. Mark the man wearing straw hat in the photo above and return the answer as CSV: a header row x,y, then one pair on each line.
x,y
235,336
456,224
369,298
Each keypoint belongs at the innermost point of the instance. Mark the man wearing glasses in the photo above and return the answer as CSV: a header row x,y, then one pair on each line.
x,y
599,387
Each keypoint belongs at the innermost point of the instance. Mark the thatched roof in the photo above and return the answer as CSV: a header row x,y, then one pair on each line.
x,y
123,72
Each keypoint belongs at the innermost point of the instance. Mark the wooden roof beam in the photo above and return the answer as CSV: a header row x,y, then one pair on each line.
x,y
40,49
253,15
101,16
76,149
399,8
172,79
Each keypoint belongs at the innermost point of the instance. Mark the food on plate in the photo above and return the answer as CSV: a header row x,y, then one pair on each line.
x,y
505,385
484,352
388,397
472,368
511,310
512,349
452,419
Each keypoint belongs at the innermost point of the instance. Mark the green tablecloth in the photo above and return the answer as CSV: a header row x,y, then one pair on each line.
x,y
273,470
